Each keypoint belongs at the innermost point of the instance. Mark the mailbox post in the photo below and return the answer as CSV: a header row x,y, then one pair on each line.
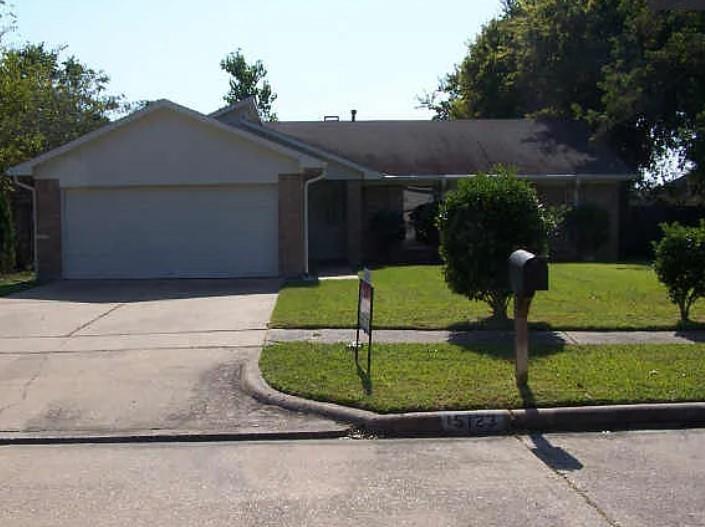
x,y
528,273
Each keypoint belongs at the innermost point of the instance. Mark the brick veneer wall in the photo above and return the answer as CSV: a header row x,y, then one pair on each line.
x,y
49,253
291,225
291,222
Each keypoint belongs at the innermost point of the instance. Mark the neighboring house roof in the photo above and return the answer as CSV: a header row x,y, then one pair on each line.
x,y
246,108
26,168
460,147
679,191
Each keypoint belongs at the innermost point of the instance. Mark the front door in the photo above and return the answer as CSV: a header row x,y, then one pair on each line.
x,y
327,233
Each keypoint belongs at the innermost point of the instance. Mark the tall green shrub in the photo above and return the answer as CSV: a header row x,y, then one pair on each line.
x,y
680,264
481,223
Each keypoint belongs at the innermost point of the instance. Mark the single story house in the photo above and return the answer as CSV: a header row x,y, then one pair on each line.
x,y
170,192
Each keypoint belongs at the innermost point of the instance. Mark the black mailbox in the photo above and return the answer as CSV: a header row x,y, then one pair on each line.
x,y
528,273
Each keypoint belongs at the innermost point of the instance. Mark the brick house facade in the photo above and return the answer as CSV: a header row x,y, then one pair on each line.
x,y
169,192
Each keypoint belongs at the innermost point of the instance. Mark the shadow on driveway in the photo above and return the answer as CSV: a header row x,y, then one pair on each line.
x,y
125,291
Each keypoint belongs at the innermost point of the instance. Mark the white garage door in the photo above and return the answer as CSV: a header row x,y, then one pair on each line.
x,y
171,232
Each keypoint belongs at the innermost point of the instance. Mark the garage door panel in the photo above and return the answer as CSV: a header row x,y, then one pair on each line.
x,y
171,232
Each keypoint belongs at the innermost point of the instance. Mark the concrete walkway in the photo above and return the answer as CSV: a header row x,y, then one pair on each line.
x,y
484,336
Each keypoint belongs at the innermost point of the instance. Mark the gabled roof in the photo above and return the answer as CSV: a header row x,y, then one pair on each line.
x,y
461,147
26,168
273,135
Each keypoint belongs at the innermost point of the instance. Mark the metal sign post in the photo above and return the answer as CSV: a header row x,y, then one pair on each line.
x,y
528,273
365,310
521,338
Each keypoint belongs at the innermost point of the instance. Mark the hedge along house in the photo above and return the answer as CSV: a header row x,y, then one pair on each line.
x,y
170,192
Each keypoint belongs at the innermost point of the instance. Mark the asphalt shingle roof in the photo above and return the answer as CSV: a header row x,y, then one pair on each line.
x,y
461,146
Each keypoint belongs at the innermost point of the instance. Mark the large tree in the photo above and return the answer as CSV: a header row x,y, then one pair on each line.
x,y
636,75
45,101
247,80
7,20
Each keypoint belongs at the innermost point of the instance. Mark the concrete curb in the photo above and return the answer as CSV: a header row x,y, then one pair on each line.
x,y
53,438
483,422
254,384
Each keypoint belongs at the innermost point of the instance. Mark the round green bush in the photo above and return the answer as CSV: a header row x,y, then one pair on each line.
x,y
680,264
481,223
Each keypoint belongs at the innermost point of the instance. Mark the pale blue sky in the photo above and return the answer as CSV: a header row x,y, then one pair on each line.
x,y
324,57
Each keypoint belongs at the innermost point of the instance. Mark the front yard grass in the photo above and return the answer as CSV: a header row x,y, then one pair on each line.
x,y
414,377
12,283
581,296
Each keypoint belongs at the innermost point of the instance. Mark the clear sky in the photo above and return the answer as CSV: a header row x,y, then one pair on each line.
x,y
324,56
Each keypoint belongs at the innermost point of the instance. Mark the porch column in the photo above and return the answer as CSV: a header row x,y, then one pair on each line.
x,y
291,225
49,251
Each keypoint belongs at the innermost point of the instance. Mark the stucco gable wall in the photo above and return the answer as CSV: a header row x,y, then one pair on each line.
x,y
167,148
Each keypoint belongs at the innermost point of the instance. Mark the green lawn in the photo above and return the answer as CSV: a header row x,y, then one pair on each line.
x,y
12,283
414,377
581,296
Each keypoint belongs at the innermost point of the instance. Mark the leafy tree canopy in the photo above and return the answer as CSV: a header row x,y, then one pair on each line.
x,y
247,80
637,76
7,20
46,101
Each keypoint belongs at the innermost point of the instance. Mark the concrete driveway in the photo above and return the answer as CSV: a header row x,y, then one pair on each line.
x,y
136,356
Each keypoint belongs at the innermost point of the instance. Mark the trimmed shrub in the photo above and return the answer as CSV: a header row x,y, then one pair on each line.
x,y
680,264
481,223
588,229
424,219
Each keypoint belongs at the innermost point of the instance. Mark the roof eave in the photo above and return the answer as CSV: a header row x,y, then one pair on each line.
x,y
547,177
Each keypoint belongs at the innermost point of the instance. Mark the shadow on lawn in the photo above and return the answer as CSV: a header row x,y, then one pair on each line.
x,y
365,379
16,287
527,396
501,345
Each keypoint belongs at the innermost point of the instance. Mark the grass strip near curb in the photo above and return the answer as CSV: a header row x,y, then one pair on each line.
x,y
15,282
423,377
582,296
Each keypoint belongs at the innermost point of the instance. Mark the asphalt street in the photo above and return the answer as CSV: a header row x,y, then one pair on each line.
x,y
604,479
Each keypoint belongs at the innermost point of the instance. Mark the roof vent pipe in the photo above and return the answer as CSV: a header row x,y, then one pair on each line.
x,y
353,113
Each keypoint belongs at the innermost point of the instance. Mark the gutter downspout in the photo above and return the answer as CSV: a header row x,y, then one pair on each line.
x,y
32,190
307,183
576,192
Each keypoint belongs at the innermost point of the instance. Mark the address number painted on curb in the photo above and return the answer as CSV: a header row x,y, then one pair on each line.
x,y
474,424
